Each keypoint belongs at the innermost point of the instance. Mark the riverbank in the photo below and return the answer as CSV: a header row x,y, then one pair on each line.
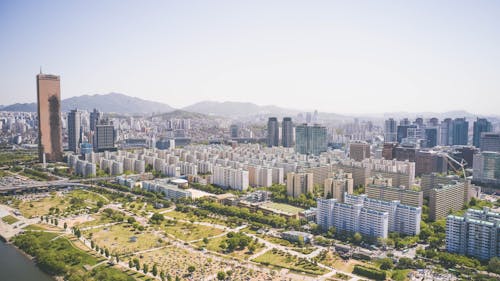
x,y
16,265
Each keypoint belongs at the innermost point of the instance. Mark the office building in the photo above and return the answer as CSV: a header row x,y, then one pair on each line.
x,y
460,131
74,130
359,151
390,130
310,139
476,234
299,183
481,125
389,150
234,131
104,138
287,132
446,132
490,142
273,132
95,116
486,169
337,185
431,137
427,162
49,117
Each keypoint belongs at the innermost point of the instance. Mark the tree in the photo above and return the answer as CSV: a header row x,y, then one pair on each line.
x,y
357,238
56,222
130,264
130,220
65,225
300,241
155,270
221,275
177,278
169,277
494,265
191,269
162,275
117,258
100,204
145,268
106,252
92,244
205,240
386,264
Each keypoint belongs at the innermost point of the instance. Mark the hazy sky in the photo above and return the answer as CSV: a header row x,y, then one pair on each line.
x,y
335,56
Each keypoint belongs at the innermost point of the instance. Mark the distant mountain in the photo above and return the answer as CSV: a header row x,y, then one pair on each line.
x,y
182,114
237,109
112,102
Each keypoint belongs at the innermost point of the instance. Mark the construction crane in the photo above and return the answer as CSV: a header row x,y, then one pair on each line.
x,y
461,163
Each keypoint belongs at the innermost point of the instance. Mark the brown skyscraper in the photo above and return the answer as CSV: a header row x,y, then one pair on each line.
x,y
49,117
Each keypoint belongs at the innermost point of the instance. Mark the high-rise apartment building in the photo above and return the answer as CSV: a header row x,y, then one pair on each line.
x,y
389,193
481,125
446,198
74,130
299,183
337,185
390,130
287,132
310,139
475,234
49,117
460,131
273,132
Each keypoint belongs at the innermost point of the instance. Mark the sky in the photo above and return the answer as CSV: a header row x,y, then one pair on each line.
x,y
334,56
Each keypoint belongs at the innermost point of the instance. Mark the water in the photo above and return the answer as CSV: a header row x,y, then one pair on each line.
x,y
14,266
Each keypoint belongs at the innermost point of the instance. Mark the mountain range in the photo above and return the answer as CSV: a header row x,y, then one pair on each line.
x,y
112,102
123,104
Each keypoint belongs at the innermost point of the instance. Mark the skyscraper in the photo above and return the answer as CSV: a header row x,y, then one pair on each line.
x,y
49,117
94,119
104,137
446,132
490,142
310,139
460,131
390,132
74,133
287,132
234,130
273,132
481,125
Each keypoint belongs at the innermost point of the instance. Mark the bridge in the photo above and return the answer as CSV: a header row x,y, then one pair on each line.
x,y
50,185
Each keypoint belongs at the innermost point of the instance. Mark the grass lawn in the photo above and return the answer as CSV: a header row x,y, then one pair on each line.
x,y
98,219
276,240
283,207
189,232
116,238
213,245
42,206
88,196
41,227
305,251
283,260
400,275
10,219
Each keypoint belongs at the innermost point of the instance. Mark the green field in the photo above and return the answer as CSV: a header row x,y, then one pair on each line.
x,y
10,219
189,232
282,207
214,243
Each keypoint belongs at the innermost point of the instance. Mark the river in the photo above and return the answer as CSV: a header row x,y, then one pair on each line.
x,y
14,266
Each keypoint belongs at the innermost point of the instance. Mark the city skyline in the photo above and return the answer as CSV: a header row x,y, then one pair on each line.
x,y
331,53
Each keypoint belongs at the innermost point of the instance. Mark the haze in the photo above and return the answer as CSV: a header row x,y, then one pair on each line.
x,y
334,56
